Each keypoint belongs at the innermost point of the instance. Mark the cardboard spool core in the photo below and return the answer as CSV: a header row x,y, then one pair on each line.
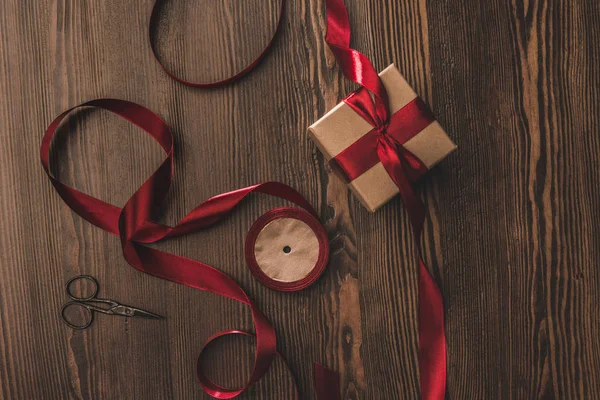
x,y
287,249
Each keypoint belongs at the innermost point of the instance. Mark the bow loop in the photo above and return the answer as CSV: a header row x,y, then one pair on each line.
x,y
363,104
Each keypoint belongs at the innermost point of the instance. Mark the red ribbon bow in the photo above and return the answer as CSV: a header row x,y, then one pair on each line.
x,y
389,135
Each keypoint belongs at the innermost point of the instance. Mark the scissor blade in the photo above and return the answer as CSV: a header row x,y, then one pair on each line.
x,y
145,314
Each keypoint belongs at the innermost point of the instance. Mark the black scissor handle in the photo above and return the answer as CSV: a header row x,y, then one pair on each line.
x,y
76,278
88,320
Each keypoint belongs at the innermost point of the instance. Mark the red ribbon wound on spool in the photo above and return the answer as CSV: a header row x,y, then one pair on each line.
x,y
316,232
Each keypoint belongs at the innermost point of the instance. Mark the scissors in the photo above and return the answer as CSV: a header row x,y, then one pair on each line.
x,y
88,304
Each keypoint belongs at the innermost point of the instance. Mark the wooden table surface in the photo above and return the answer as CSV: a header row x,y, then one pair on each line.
x,y
512,235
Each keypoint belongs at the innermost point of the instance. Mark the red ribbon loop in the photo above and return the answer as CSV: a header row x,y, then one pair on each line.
x,y
134,226
154,16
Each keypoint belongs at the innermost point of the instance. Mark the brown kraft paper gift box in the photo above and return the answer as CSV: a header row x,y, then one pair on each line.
x,y
342,126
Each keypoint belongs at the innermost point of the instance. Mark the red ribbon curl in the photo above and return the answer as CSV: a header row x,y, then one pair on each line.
x,y
385,142
362,155
134,225
154,16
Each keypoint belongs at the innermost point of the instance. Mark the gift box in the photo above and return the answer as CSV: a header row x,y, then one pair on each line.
x,y
343,129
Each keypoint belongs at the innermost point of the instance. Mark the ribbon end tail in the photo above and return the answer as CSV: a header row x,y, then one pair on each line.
x,y
327,383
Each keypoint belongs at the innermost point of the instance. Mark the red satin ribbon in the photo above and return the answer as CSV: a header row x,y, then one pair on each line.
x,y
134,225
403,167
361,156
244,71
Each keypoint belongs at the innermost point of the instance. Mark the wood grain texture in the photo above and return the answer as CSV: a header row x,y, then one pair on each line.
x,y
513,233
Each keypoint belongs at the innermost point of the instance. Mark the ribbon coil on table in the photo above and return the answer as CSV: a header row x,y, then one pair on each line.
x,y
134,225
153,18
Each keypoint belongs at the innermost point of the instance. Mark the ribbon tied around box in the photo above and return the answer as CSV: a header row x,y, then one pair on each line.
x,y
387,136
386,143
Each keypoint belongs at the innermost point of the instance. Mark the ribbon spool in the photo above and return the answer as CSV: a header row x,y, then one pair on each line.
x,y
287,249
